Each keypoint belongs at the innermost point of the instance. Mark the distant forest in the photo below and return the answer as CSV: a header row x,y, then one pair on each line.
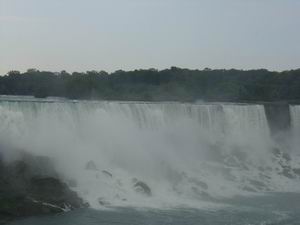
x,y
174,84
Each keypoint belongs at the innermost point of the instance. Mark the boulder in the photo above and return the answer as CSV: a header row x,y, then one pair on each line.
x,y
90,165
297,171
102,201
106,173
54,192
141,187
72,183
27,191
202,194
199,183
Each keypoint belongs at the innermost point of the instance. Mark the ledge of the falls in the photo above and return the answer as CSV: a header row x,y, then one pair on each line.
x,y
30,187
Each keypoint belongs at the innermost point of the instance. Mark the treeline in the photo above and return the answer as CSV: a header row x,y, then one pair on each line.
x,y
174,84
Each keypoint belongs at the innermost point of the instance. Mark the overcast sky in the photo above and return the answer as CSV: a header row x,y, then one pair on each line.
x,y
80,35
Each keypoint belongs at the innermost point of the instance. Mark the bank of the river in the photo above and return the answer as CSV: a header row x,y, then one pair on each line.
x,y
29,186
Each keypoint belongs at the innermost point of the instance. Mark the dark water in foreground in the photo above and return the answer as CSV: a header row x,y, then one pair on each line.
x,y
271,209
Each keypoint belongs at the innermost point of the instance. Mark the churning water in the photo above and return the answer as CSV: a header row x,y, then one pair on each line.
x,y
193,157
277,209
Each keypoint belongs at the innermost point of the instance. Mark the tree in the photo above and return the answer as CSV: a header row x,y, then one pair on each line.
x,y
13,73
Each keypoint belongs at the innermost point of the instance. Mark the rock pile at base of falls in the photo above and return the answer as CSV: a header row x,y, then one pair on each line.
x,y
30,186
90,165
141,187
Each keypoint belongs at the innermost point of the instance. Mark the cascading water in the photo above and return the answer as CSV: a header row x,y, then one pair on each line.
x,y
295,115
295,127
150,154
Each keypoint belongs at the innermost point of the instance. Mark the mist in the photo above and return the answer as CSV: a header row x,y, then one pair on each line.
x,y
187,154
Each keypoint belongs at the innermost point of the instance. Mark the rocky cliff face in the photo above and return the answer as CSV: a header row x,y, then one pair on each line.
x,y
30,186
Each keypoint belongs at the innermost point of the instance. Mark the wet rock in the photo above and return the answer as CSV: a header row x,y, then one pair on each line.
x,y
117,196
279,118
203,185
264,176
102,201
141,187
258,185
297,171
234,161
286,156
287,172
26,191
22,206
284,161
106,173
250,189
90,165
53,191
226,172
276,152
261,169
200,183
202,194
240,155
283,156
72,183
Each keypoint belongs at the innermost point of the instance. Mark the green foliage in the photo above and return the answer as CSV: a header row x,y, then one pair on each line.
x,y
174,84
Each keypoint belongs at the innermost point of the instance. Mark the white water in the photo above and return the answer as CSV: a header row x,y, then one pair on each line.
x,y
185,153
295,115
295,121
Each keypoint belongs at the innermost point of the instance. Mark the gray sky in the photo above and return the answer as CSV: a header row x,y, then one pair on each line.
x,y
80,35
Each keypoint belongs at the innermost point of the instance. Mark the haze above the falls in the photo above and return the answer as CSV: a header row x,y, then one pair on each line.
x,y
78,35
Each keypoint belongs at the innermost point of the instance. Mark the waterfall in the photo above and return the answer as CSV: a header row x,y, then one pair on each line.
x,y
295,115
183,152
295,127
